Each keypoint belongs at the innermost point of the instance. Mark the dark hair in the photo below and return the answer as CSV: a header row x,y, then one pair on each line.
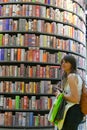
x,y
72,60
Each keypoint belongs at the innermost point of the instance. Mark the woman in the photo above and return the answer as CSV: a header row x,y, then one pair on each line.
x,y
72,86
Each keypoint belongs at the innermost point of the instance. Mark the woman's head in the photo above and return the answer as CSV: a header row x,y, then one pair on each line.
x,y
69,64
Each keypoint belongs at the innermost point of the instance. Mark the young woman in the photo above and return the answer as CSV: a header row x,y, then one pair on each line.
x,y
72,86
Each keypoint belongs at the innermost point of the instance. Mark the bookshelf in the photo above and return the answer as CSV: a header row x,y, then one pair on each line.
x,y
34,36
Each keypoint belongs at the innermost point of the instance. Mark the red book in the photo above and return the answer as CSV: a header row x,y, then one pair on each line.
x,y
37,55
30,71
33,10
10,10
25,104
23,10
37,11
38,71
26,39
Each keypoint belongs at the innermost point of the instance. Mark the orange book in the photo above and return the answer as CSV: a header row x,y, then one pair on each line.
x,y
22,87
44,56
18,54
10,103
48,13
49,103
47,71
5,0
30,55
34,87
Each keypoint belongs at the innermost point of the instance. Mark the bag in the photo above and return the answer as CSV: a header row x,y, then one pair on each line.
x,y
83,100
56,107
60,112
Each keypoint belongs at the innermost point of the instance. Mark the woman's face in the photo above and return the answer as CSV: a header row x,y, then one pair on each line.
x,y
66,66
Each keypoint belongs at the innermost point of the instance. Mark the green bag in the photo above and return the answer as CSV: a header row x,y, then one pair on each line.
x,y
54,109
60,112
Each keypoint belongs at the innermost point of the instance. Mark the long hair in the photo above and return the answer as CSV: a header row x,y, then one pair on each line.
x,y
71,59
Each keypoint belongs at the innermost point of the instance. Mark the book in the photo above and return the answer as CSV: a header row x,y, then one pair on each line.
x,y
31,117
17,100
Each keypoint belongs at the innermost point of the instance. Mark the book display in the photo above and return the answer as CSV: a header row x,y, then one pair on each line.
x,y
34,36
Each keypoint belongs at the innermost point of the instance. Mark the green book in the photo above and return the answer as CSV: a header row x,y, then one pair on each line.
x,y
17,102
1,37
33,0
36,120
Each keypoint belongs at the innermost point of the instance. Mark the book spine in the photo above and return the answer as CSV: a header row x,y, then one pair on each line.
x,y
17,100
31,116
1,39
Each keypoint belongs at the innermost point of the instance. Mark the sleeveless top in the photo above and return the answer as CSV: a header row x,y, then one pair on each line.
x,y
67,87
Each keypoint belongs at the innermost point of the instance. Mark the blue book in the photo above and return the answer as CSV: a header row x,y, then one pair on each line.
x,y
49,2
31,119
7,24
2,54
0,9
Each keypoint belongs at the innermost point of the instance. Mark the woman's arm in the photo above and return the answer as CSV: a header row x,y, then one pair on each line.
x,y
74,95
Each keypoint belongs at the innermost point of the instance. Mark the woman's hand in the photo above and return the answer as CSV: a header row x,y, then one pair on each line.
x,y
57,93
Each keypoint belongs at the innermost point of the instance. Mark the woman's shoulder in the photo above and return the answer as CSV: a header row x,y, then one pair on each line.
x,y
72,75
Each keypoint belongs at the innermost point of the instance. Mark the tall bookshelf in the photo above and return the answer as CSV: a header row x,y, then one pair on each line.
x,y
34,36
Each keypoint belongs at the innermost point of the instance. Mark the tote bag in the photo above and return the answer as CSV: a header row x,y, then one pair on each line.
x,y
60,112
55,107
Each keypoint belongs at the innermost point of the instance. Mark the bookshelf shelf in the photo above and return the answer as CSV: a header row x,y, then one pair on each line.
x,y
41,4
30,57
27,63
27,79
41,33
40,18
27,94
22,110
24,127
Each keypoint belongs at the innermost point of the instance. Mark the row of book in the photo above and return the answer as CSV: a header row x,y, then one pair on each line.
x,y
32,40
24,119
31,55
66,4
35,71
41,87
31,71
26,103
34,54
42,12
42,27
